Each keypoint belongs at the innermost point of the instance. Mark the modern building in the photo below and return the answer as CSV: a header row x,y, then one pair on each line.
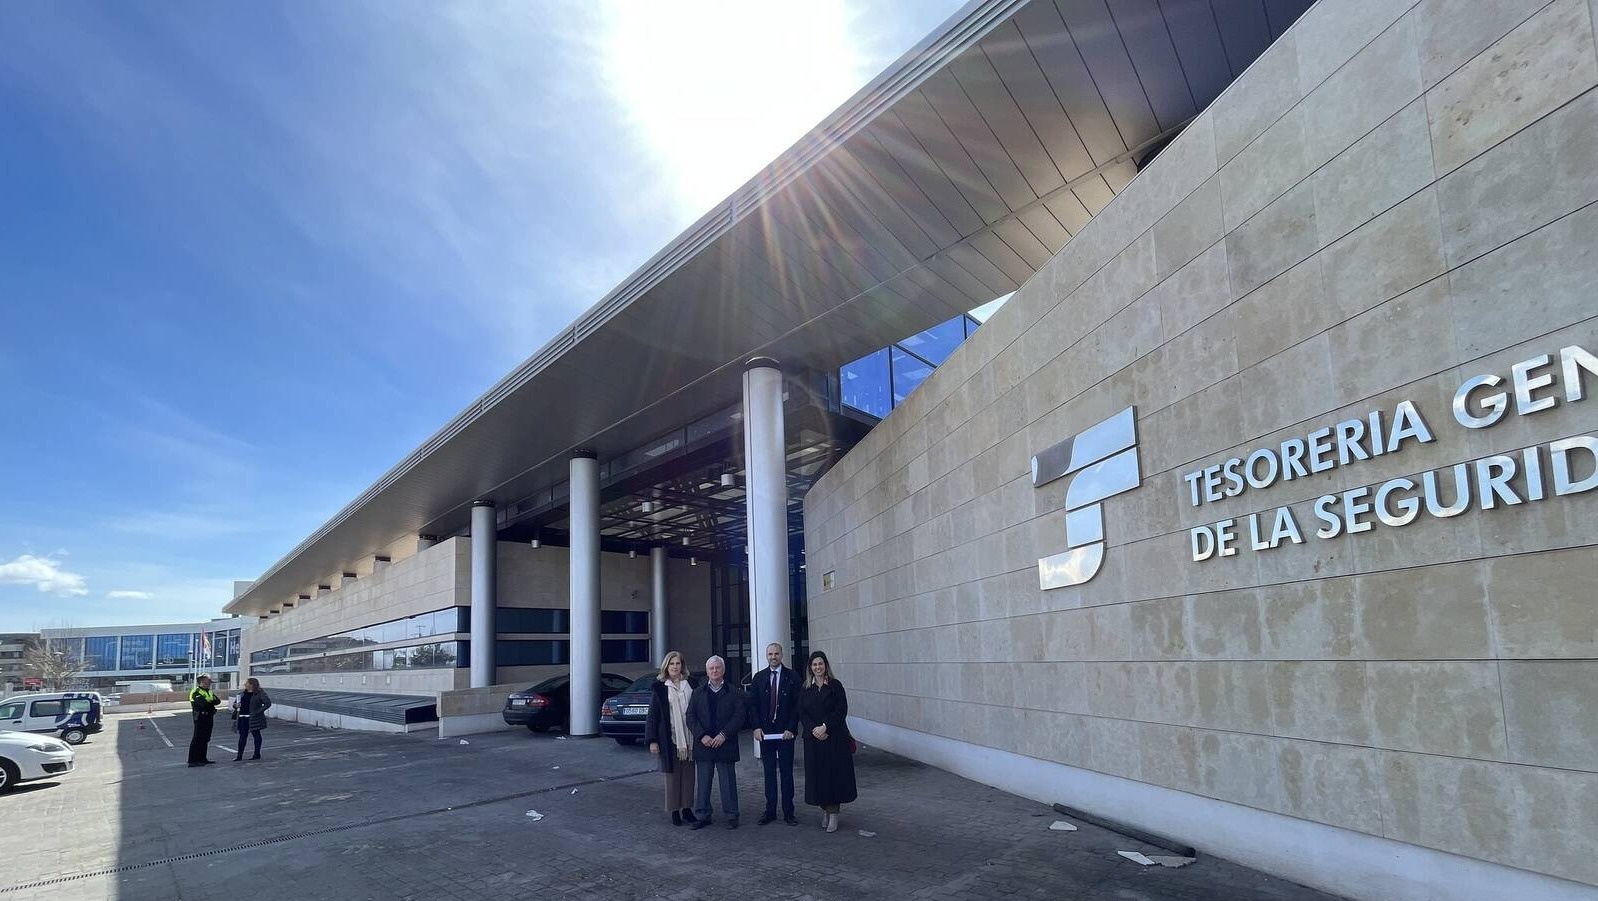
x,y
1260,515
104,657
14,647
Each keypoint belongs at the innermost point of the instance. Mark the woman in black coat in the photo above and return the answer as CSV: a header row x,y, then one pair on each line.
x,y
669,739
250,715
829,758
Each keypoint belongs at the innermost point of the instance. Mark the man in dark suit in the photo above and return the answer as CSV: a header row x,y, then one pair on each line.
x,y
717,712
774,696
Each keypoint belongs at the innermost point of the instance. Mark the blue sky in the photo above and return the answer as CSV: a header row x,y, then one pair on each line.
x,y
253,254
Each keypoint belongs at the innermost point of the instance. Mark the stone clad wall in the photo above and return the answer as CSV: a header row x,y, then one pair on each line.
x,y
1394,198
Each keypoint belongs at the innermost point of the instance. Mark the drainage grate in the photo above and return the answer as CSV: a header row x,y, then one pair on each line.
x,y
295,836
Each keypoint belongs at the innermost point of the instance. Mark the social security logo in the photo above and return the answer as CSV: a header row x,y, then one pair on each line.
x,y
1102,462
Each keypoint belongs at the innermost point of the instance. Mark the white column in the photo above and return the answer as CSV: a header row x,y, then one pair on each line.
x,y
485,537
584,594
657,605
766,502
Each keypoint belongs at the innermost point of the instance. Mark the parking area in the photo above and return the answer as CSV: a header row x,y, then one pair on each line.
x,y
350,816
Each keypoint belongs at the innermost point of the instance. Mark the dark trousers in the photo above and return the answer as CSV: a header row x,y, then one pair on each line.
x,y
724,772
777,756
245,732
201,738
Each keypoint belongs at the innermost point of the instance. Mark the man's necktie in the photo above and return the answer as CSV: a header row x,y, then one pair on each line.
x,y
774,674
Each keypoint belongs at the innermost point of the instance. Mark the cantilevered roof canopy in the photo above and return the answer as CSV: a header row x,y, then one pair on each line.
x,y
944,183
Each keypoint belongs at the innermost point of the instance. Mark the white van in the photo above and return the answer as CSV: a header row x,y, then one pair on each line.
x,y
145,688
73,715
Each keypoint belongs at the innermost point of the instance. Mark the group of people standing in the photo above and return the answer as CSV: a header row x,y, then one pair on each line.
x,y
249,713
694,731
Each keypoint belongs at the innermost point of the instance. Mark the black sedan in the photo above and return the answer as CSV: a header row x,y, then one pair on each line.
x,y
548,704
623,716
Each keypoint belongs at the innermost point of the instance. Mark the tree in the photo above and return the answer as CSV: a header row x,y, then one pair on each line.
x,y
55,665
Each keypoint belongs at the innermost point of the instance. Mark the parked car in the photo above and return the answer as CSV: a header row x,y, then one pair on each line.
x,y
623,716
72,715
25,757
548,704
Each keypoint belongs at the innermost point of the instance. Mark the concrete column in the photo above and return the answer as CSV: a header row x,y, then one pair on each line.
x,y
485,578
657,605
766,502
584,594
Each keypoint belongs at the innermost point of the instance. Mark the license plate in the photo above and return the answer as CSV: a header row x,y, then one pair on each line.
x,y
635,711
518,702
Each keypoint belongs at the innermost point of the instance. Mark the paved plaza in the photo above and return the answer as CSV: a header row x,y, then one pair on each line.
x,y
352,816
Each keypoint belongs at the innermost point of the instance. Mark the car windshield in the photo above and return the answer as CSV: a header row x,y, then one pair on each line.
x,y
644,683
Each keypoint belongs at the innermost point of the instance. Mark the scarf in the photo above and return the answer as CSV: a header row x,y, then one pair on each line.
x,y
678,694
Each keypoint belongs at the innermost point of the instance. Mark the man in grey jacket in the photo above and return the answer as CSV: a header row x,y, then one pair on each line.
x,y
716,713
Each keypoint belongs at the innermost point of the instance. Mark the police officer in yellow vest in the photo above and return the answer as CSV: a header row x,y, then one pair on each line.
x,y
204,703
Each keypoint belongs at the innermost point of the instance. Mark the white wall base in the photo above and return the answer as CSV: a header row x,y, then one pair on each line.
x,y
339,721
473,724
1340,861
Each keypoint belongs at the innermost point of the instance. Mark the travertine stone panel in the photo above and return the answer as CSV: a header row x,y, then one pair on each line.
x,y
1330,34
1377,172
1552,711
1542,605
1261,96
1539,283
1379,81
1546,171
1276,238
1452,32
1517,80
1264,171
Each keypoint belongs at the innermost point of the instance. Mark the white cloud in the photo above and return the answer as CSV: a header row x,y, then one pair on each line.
x,y
131,595
44,574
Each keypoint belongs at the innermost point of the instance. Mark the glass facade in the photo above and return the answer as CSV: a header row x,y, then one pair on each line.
x,y
99,654
881,380
447,621
432,655
138,652
173,650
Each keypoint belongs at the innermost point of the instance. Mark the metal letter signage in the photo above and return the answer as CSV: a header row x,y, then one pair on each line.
x,y
1104,460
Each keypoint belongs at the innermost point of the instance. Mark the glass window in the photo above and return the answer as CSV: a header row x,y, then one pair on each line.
x,y
48,708
908,374
625,622
138,651
864,384
624,650
538,652
643,683
533,620
100,653
550,684
935,344
173,650
11,712
80,705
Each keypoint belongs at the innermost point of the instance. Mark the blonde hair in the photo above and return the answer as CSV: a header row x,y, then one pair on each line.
x,y
666,662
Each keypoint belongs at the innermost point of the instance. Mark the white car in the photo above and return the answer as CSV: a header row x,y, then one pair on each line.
x,y
25,757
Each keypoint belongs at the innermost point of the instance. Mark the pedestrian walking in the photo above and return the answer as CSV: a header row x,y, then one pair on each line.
x,y
669,739
829,748
716,713
250,714
203,702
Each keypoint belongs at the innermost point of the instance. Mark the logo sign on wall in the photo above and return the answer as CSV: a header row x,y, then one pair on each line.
x,y
1102,462
1556,468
